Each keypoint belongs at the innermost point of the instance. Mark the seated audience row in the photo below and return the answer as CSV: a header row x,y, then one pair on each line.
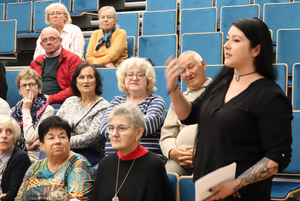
x,y
107,46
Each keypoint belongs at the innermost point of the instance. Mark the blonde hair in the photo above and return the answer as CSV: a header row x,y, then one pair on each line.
x,y
144,65
113,12
29,73
60,6
5,120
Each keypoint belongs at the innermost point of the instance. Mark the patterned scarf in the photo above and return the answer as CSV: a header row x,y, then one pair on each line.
x,y
105,39
38,107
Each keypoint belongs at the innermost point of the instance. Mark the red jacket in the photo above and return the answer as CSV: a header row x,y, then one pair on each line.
x,y
67,63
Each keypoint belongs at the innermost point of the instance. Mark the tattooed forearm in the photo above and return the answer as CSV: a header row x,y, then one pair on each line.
x,y
263,169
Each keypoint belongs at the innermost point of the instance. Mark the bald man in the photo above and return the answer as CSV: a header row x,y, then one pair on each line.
x,y
56,67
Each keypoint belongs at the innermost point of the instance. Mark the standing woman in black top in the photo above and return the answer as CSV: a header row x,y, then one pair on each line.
x,y
243,116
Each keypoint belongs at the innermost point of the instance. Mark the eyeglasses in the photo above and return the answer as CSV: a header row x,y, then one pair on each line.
x,y
138,76
31,85
108,17
182,70
51,40
120,129
57,14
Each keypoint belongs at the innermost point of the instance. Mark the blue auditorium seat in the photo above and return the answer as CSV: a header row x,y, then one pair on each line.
x,y
161,85
131,46
296,87
186,188
187,4
281,16
22,12
288,47
208,45
8,40
229,14
261,3
109,83
13,95
282,76
86,5
281,190
203,20
39,14
157,48
5,2
173,178
159,22
67,3
2,11
155,5
130,22
221,3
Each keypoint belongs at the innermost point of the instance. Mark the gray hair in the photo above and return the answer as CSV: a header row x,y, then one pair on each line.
x,y
28,73
131,111
144,65
5,120
60,6
113,12
196,56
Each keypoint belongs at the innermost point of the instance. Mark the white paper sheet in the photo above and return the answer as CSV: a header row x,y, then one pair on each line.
x,y
212,179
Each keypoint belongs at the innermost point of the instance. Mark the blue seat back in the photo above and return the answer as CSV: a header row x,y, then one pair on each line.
x,y
130,22
288,47
157,48
13,95
86,44
161,85
2,11
86,5
22,12
282,76
109,83
221,3
155,5
296,87
8,36
281,16
208,45
39,14
186,4
131,46
186,188
294,165
159,22
67,3
229,14
261,4
203,20
173,178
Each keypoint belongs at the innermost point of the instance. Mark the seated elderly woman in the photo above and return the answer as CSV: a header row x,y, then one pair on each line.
x,y
85,111
13,161
136,78
30,111
133,173
63,175
108,45
58,16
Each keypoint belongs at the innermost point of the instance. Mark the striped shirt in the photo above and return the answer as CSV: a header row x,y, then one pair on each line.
x,y
154,107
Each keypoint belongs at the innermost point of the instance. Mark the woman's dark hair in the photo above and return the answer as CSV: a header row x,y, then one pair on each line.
x,y
53,122
98,89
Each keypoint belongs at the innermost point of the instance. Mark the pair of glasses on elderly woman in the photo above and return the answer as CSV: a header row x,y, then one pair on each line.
x,y
31,85
121,129
138,76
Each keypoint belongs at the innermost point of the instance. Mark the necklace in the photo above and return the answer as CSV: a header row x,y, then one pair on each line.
x,y
91,102
237,77
115,198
